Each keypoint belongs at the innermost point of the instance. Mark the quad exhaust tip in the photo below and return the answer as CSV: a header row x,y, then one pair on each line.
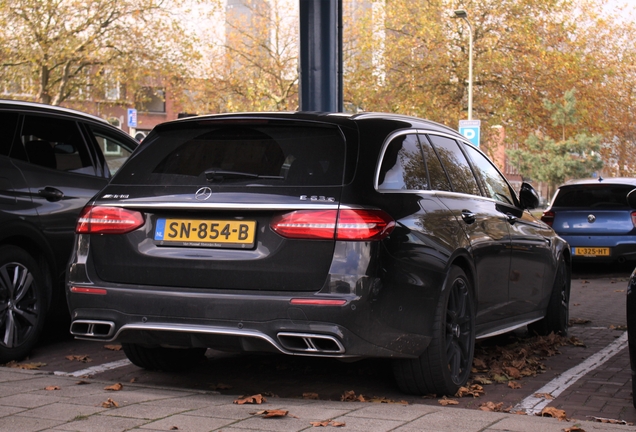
x,y
310,343
95,329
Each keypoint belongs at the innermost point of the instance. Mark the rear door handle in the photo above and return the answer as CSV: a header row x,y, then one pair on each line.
x,y
51,193
468,216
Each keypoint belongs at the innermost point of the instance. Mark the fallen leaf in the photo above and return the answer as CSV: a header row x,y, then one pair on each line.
x,y
576,342
221,386
512,372
482,380
254,399
109,403
113,347
574,428
174,428
350,396
82,382
544,396
611,421
474,390
514,385
133,380
554,413
79,358
447,401
479,363
493,407
27,366
49,388
271,413
326,423
310,395
618,290
114,387
500,378
576,304
376,399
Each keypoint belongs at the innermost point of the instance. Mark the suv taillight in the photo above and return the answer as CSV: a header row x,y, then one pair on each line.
x,y
108,220
362,225
548,217
634,218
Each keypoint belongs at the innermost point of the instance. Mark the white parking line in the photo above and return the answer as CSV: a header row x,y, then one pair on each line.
x,y
95,369
533,405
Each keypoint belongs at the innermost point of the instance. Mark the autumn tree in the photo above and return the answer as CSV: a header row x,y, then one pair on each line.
x,y
524,52
553,161
257,68
57,50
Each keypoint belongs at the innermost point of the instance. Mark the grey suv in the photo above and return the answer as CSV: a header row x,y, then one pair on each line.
x,y
52,161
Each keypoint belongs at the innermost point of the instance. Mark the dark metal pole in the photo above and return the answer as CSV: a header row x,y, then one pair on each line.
x,y
320,84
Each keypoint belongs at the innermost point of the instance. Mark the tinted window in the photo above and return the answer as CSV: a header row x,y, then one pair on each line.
x,y
287,155
55,143
456,166
8,123
494,183
402,166
436,174
593,196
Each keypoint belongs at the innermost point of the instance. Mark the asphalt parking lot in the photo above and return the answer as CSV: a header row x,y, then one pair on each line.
x,y
599,390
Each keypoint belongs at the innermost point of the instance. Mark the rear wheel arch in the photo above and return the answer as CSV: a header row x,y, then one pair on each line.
x,y
464,263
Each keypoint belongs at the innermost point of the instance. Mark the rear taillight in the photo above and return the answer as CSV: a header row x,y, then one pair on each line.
x,y
548,217
108,220
634,218
359,225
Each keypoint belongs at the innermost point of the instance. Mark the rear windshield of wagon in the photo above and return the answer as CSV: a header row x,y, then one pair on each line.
x,y
257,154
593,196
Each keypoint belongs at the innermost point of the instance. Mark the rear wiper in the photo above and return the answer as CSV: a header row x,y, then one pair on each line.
x,y
220,175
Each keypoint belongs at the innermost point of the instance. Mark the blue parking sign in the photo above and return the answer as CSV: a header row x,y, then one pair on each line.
x,y
470,130
132,117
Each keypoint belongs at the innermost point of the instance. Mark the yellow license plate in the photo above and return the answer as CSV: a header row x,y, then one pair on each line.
x,y
591,251
206,233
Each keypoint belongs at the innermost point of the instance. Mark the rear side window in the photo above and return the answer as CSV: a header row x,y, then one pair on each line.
x,y
461,175
245,154
593,196
402,166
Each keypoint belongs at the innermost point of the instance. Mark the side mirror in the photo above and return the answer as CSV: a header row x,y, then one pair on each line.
x,y
631,199
529,197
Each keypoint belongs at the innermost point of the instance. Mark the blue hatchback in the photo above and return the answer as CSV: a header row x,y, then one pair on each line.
x,y
593,216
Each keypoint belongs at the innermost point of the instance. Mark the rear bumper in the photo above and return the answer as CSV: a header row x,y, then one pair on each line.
x,y
239,322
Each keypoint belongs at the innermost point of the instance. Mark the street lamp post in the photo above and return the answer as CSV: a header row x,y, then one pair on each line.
x,y
463,15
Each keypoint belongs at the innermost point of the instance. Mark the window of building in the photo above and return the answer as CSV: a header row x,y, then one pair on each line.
x,y
151,99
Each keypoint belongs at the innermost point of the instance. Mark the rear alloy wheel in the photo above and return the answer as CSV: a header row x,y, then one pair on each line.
x,y
446,364
22,303
558,313
163,359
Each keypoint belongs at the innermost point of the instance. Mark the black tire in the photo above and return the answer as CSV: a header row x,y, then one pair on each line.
x,y
446,364
22,303
163,359
558,314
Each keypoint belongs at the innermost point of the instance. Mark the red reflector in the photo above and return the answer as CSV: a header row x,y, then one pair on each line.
x,y
548,217
83,290
108,220
318,302
363,225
